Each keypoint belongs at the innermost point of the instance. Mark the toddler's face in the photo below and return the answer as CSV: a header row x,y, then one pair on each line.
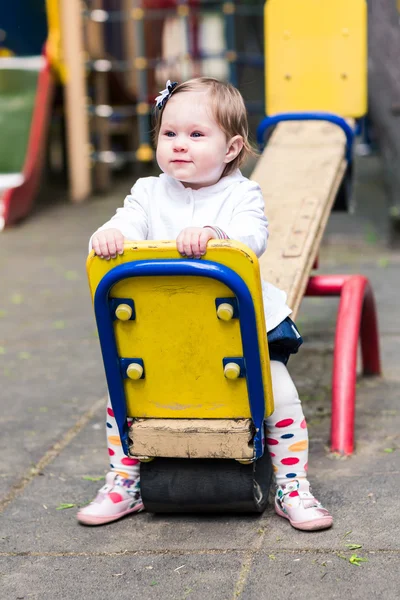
x,y
191,147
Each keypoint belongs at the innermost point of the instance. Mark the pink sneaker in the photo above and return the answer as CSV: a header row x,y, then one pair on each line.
x,y
117,498
295,502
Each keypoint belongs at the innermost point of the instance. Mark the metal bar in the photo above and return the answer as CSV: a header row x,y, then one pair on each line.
x,y
255,60
230,55
308,116
141,65
118,16
356,318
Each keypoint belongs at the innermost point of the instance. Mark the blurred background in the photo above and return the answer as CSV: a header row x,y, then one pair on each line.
x,y
78,82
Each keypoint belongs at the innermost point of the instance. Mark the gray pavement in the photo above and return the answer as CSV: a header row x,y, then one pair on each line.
x,y
52,442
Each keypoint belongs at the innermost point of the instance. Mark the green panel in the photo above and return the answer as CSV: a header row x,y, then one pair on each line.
x,y
17,97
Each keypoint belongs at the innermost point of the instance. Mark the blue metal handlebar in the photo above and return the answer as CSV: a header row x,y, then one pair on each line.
x,y
170,267
268,122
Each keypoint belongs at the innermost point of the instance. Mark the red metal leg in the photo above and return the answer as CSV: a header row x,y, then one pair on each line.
x,y
356,317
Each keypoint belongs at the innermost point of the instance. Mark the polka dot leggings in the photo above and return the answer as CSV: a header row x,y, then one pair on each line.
x,y
129,468
287,436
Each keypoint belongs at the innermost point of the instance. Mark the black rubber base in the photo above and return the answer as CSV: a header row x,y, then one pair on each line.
x,y
177,485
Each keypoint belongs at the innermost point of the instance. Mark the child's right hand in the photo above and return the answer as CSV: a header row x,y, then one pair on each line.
x,y
108,243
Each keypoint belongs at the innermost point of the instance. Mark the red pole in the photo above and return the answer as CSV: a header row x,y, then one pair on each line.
x,y
356,316
370,335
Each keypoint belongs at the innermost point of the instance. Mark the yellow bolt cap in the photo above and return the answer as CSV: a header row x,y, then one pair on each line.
x,y
123,312
232,370
134,371
225,311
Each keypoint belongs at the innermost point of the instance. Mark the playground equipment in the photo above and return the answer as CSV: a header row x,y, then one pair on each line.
x,y
203,401
110,58
26,88
152,41
30,66
26,92
301,171
317,64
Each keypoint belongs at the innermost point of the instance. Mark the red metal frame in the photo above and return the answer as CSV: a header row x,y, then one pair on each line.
x,y
356,318
17,202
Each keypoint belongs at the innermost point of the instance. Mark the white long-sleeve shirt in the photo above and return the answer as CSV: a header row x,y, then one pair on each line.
x,y
158,208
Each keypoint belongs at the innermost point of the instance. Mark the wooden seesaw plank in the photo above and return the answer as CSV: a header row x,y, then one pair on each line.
x,y
192,438
299,172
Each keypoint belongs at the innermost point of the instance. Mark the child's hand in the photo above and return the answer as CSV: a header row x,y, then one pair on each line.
x,y
107,243
192,241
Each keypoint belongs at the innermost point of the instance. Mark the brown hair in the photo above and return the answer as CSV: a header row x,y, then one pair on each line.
x,y
228,109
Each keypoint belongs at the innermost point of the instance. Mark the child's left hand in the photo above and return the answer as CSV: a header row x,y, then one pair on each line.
x,y
192,241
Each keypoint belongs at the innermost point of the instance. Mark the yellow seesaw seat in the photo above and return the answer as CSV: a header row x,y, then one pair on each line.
x,y
182,342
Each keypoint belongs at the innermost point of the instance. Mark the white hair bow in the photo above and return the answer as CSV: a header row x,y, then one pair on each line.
x,y
165,94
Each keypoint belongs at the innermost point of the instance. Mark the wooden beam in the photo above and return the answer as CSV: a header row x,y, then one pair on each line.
x,y
299,172
192,438
75,101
